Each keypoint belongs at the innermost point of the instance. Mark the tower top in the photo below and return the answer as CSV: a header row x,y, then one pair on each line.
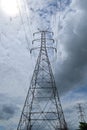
x,y
43,40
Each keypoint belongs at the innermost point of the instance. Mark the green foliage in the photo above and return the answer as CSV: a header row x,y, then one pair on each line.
x,y
83,126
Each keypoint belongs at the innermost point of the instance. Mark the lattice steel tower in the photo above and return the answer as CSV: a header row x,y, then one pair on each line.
x,y
42,108
81,112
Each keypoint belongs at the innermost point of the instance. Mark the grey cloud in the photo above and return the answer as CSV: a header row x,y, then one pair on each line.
x,y
42,11
72,71
81,4
9,108
7,111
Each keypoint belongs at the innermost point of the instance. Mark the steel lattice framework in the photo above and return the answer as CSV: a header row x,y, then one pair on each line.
x,y
42,108
81,112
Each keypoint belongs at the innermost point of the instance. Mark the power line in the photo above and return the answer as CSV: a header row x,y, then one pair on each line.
x,y
57,25
26,37
25,7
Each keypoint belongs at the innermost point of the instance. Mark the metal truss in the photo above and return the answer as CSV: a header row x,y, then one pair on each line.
x,y
42,108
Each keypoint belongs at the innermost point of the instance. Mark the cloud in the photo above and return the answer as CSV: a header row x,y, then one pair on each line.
x,y
71,67
2,128
7,111
42,11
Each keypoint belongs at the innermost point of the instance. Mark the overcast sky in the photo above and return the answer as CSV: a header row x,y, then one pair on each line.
x,y
17,23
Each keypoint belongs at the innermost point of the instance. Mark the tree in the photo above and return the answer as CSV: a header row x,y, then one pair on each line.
x,y
83,126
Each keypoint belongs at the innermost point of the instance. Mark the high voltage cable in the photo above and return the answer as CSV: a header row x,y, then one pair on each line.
x,y
28,25
58,10
59,5
27,16
23,24
56,24
28,21
29,28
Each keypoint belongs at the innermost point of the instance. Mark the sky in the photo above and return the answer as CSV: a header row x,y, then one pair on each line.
x,y
18,21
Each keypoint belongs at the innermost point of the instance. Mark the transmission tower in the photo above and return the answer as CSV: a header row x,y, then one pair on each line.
x,y
81,112
42,108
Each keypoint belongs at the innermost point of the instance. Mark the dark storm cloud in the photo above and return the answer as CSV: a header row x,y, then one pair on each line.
x,y
72,70
7,108
7,111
